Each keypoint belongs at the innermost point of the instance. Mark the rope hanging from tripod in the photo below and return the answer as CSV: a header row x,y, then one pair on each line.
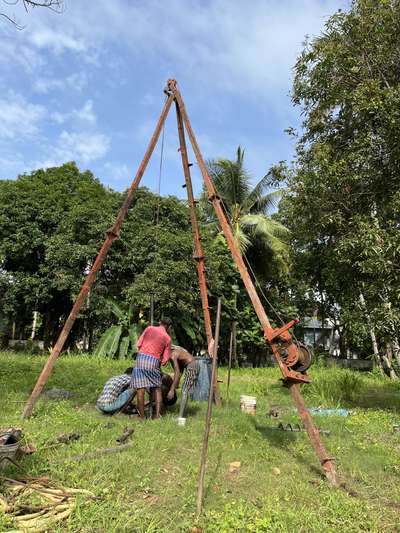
x,y
160,170
157,217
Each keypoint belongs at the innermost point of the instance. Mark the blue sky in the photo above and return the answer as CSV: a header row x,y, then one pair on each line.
x,y
87,85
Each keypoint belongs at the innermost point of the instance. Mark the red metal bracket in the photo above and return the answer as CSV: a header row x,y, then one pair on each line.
x,y
280,332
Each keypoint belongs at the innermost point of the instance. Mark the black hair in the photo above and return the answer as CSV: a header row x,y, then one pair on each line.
x,y
129,370
165,321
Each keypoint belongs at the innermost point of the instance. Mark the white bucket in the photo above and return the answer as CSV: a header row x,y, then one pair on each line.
x,y
248,404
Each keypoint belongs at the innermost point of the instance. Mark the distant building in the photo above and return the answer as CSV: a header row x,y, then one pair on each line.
x,y
316,336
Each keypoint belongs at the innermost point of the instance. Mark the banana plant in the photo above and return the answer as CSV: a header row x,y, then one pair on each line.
x,y
120,339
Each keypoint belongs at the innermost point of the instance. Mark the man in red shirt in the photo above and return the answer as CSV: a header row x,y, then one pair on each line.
x,y
154,351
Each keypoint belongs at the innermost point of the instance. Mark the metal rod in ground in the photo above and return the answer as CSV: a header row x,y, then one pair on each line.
x,y
200,489
112,234
228,384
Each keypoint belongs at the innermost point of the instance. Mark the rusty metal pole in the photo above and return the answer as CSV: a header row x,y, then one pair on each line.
x,y
326,462
228,383
198,255
203,459
112,234
313,433
198,250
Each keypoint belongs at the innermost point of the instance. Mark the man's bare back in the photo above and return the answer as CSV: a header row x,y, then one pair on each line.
x,y
180,359
182,356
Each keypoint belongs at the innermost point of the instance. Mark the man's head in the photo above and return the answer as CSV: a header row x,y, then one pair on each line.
x,y
129,371
166,323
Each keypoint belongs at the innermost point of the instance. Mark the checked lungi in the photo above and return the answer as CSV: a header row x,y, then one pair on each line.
x,y
191,376
146,374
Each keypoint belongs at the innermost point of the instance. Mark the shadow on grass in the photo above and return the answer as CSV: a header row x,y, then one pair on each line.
x,y
275,436
282,439
378,397
212,476
191,409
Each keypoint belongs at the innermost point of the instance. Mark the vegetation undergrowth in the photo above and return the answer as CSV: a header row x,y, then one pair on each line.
x,y
152,486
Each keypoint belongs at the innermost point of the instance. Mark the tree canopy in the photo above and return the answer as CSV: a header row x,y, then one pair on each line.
x,y
344,201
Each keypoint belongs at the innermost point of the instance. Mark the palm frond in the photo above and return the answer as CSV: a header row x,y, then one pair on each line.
x,y
230,178
241,239
114,340
103,348
267,203
134,334
118,311
271,231
260,201
123,347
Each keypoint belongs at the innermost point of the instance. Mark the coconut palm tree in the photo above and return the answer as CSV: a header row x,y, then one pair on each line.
x,y
247,207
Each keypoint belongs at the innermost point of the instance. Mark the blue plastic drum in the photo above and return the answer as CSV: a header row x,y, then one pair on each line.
x,y
200,392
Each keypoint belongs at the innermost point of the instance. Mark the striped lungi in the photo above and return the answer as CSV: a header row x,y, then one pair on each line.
x,y
146,374
191,376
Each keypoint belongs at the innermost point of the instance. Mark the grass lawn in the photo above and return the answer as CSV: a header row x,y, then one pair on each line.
x,y
152,486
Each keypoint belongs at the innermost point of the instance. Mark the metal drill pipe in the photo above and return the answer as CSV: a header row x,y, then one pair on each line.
x,y
203,459
112,234
199,254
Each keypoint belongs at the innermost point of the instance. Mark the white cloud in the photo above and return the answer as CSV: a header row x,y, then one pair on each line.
x,y
235,46
233,61
85,147
85,114
11,164
18,117
45,85
117,173
82,147
58,41
16,56
223,44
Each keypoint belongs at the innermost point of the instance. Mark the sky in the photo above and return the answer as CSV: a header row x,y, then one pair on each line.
x,y
87,85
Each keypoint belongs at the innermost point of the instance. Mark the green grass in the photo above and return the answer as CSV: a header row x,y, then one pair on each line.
x,y
152,487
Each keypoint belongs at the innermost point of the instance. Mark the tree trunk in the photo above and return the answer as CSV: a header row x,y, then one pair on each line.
x,y
396,350
377,357
387,359
34,324
342,344
332,338
51,326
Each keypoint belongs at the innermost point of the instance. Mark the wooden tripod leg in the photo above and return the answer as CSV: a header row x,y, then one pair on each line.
x,y
198,250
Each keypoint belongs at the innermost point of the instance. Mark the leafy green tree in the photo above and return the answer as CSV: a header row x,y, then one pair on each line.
x,y
344,202
51,225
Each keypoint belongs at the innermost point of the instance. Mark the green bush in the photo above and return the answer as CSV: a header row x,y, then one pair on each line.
x,y
333,387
